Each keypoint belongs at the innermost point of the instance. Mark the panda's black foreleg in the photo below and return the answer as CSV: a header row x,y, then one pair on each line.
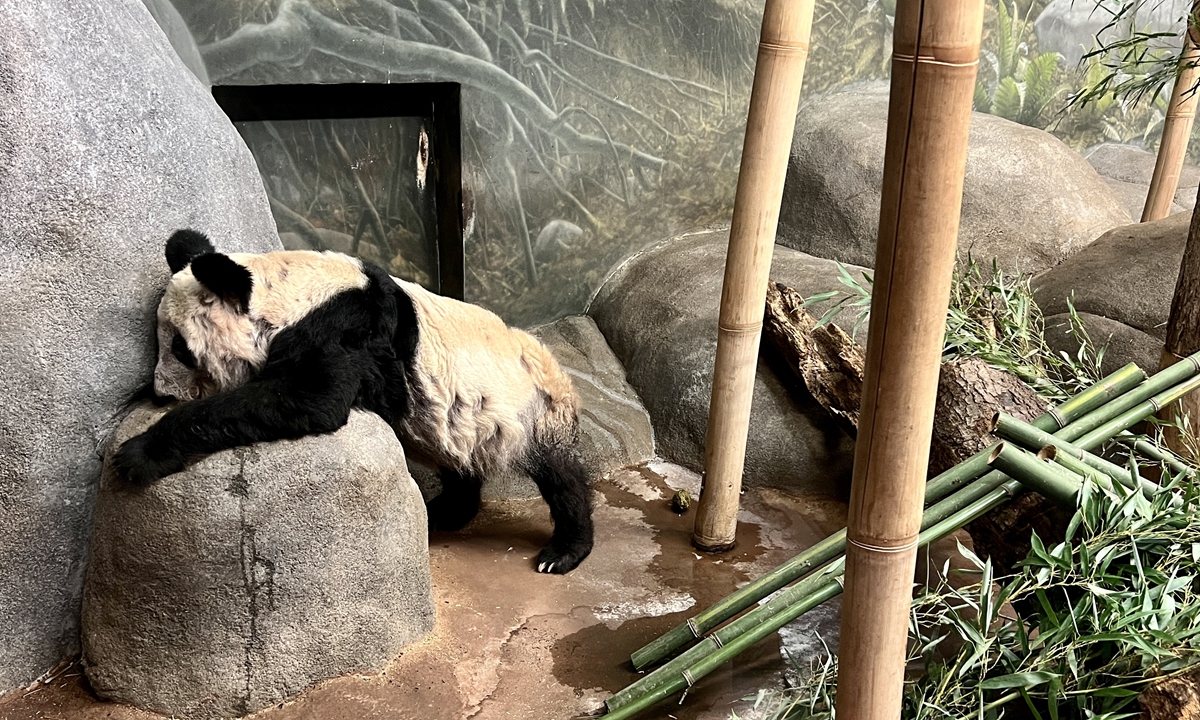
x,y
562,479
312,393
458,503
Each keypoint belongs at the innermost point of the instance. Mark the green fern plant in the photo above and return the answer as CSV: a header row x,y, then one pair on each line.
x,y
1022,83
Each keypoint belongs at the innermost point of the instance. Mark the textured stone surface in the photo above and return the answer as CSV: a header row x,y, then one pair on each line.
x,y
1028,200
107,145
659,313
614,427
1127,275
180,37
1128,171
1122,344
256,572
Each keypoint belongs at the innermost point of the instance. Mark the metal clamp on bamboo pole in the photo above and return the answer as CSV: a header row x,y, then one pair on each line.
x,y
1177,126
934,63
782,53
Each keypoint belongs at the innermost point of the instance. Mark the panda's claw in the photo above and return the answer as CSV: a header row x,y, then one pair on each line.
x,y
138,461
560,561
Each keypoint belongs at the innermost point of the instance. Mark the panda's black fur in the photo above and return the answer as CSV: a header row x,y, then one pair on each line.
x,y
357,349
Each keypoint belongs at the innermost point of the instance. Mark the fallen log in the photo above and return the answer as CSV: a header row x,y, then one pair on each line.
x,y
970,393
830,364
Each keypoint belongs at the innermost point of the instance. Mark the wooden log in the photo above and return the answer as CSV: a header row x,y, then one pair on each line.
x,y
1183,337
826,359
830,364
1176,698
970,392
778,74
934,62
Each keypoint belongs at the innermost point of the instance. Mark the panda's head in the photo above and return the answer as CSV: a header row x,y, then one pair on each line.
x,y
207,339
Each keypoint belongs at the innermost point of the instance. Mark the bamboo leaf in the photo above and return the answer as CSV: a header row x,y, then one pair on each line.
x,y
1024,680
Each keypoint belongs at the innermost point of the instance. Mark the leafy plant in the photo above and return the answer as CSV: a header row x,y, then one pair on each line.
x,y
1017,83
992,317
1104,613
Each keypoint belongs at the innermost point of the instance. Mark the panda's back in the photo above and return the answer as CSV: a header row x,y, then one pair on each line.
x,y
288,284
484,387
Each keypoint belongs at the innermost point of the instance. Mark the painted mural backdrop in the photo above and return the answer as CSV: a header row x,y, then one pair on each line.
x,y
593,127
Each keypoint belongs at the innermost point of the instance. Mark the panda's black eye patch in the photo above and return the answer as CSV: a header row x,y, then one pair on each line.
x,y
181,352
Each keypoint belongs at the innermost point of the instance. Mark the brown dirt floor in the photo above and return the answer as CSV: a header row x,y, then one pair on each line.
x,y
510,643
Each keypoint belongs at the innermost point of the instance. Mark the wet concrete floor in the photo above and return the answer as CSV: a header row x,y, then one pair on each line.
x,y
511,643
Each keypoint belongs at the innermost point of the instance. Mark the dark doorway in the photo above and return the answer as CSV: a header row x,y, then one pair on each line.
x,y
372,170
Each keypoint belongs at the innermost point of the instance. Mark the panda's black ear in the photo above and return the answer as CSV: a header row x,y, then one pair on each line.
x,y
185,246
227,280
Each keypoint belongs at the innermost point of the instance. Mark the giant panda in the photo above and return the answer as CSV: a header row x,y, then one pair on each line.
x,y
283,344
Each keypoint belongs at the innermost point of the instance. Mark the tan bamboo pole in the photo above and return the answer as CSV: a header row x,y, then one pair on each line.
x,y
1177,126
934,61
782,53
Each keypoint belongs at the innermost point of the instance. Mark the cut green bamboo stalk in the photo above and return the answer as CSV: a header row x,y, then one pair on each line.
x,y
1163,380
1125,380
1054,482
1030,438
933,515
1101,393
1051,453
1157,453
824,587
1141,411
995,488
699,625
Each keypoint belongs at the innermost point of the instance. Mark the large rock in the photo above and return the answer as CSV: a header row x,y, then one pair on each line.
x,y
1128,171
614,427
659,312
1127,275
1028,200
1121,344
107,145
256,572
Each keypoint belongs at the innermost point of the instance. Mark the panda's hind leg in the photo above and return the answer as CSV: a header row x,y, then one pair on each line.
x,y
562,479
458,503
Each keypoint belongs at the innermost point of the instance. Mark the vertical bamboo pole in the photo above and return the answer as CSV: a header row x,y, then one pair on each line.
x,y
1183,332
934,61
782,52
1177,127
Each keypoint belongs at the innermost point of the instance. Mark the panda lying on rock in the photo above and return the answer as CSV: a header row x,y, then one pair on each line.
x,y
284,344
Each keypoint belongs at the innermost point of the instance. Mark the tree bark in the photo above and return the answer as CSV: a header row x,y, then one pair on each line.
x,y
830,364
1176,698
1183,334
970,392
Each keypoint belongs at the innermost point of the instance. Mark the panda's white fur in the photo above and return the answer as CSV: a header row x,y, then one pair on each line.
x,y
485,390
284,344
230,345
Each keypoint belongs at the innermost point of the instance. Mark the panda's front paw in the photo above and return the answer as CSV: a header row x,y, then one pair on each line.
x,y
561,560
141,461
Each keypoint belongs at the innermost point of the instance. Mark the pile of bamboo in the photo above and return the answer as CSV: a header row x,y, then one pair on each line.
x,y
1063,439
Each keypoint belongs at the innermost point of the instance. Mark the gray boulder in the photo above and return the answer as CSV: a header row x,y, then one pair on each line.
x,y
1028,200
614,427
107,145
1127,275
256,572
1128,171
1122,344
659,311
176,29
